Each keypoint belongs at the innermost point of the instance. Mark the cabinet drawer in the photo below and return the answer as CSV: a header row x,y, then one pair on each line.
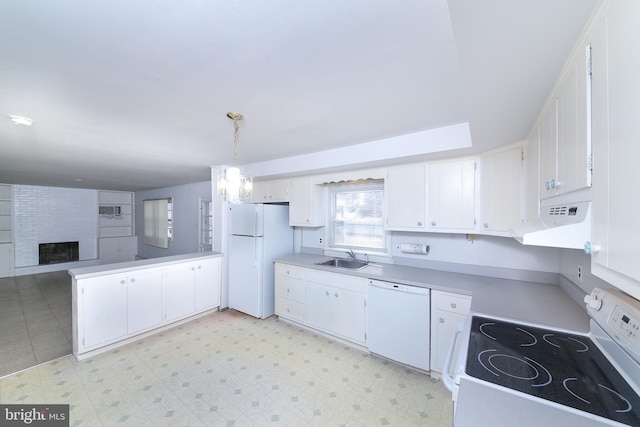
x,y
343,281
289,271
289,309
454,303
290,288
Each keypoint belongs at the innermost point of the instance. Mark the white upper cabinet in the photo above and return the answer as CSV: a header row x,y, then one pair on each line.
x,y
274,191
501,190
548,146
574,126
616,132
452,195
405,197
306,203
532,176
565,132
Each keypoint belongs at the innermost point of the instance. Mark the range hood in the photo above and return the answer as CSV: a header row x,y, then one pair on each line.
x,y
565,222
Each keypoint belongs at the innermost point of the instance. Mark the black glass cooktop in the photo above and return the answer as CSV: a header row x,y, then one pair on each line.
x,y
563,368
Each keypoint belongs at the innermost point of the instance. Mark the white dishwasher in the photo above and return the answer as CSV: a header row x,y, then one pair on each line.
x,y
398,323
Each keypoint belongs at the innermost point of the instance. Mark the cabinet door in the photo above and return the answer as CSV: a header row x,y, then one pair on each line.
x,y
452,195
179,291
305,203
260,191
616,107
600,206
405,197
144,300
279,190
318,306
548,151
6,260
207,284
532,176
348,314
104,309
501,190
444,325
574,127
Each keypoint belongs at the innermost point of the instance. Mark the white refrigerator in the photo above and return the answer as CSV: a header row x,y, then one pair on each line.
x,y
257,234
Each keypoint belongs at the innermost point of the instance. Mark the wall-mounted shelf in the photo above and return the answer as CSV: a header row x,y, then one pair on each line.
x,y
6,234
115,214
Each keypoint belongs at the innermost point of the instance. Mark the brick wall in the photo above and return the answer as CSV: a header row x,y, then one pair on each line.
x,y
51,214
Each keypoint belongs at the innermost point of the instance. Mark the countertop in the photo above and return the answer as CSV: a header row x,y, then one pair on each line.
x,y
539,304
123,267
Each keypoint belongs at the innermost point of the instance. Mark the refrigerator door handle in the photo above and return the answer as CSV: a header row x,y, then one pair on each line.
x,y
256,224
255,253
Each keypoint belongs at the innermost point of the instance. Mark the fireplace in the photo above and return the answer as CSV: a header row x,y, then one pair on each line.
x,y
52,253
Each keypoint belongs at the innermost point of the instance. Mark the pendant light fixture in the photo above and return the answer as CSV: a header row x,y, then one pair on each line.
x,y
233,186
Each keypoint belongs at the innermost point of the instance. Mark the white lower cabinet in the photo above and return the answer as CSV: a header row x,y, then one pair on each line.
x,y
144,300
104,304
6,260
110,308
191,287
179,292
447,310
117,249
207,283
118,305
335,303
290,292
318,306
329,302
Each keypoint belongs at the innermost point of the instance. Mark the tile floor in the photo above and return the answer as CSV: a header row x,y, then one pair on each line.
x,y
229,369
35,319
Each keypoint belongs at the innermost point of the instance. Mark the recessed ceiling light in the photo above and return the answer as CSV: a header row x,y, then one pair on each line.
x,y
19,120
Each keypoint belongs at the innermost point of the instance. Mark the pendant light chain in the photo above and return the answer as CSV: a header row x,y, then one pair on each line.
x,y
236,132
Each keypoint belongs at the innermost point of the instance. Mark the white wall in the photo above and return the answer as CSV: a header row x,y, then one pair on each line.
x,y
186,218
570,259
53,214
487,255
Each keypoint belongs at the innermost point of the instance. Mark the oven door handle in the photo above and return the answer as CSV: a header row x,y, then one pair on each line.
x,y
447,379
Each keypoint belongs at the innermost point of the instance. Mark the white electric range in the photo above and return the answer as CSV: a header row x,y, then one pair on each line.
x,y
516,374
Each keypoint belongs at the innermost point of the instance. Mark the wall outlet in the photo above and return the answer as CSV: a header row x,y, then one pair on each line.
x,y
580,272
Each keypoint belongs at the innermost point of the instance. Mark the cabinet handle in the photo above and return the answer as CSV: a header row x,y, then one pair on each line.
x,y
288,310
288,290
193,268
553,183
433,223
453,305
441,320
547,185
122,282
336,295
199,267
327,293
419,223
133,279
288,272
486,225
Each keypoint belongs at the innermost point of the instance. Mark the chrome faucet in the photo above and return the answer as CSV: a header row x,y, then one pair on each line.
x,y
351,254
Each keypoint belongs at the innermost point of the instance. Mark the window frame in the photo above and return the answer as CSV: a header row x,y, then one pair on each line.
x,y
355,186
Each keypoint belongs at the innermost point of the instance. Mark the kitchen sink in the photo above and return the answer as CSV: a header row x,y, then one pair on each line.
x,y
351,264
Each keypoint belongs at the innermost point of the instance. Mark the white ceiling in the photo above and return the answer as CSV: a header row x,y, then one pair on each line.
x,y
133,95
